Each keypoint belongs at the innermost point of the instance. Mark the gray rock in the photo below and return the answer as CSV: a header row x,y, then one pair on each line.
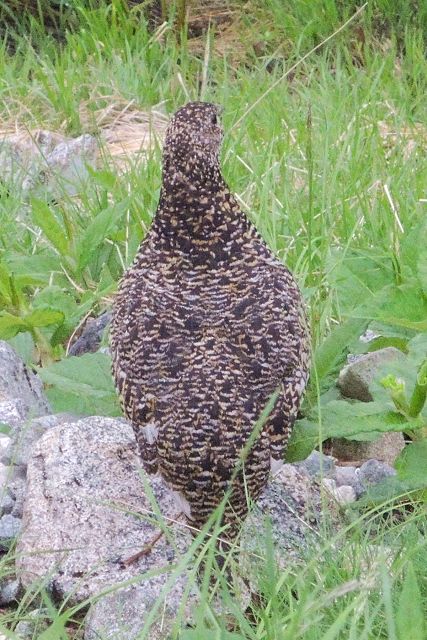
x,y
10,162
35,623
349,476
368,336
123,614
355,379
27,434
317,464
90,339
12,412
374,472
10,592
9,529
343,495
291,508
22,157
18,381
385,448
64,169
85,508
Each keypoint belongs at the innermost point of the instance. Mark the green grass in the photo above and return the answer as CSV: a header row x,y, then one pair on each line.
x,y
330,165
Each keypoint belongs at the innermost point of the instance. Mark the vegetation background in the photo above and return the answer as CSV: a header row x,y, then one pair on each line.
x,y
325,147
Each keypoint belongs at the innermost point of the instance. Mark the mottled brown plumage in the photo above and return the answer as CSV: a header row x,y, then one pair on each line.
x,y
207,325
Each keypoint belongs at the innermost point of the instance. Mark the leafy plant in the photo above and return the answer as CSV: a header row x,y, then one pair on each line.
x,y
81,385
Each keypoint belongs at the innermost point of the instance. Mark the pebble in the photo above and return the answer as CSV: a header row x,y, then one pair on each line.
x,y
9,529
343,495
33,626
356,378
349,476
91,336
317,464
10,592
374,472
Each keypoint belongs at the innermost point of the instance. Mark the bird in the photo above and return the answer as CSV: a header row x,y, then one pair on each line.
x,y
207,326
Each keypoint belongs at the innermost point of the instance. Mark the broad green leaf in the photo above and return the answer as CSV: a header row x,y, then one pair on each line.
x,y
382,342
5,294
44,318
55,297
412,462
39,266
357,277
23,344
342,419
99,229
391,489
404,306
304,438
410,616
82,385
46,220
10,325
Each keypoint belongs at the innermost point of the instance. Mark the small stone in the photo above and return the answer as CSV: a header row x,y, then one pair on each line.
x,y
343,495
317,464
90,339
10,592
9,529
368,336
33,626
355,379
349,476
375,471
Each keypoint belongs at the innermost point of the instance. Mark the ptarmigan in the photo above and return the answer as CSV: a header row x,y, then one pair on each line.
x,y
207,325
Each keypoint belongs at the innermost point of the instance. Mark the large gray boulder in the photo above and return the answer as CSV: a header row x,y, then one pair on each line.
x,y
87,506
85,509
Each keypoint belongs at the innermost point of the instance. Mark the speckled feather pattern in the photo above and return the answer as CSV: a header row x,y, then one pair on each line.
x,y
207,324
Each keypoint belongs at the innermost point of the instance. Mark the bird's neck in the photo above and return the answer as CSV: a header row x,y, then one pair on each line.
x,y
196,211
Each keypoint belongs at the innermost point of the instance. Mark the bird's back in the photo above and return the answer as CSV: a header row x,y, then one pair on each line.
x,y
199,346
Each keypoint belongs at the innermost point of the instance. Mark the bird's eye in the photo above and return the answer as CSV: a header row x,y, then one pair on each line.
x,y
214,120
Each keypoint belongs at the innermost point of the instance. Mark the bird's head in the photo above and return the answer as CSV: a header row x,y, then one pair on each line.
x,y
193,141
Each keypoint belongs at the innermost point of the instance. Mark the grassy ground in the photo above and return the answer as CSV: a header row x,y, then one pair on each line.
x,y
331,166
